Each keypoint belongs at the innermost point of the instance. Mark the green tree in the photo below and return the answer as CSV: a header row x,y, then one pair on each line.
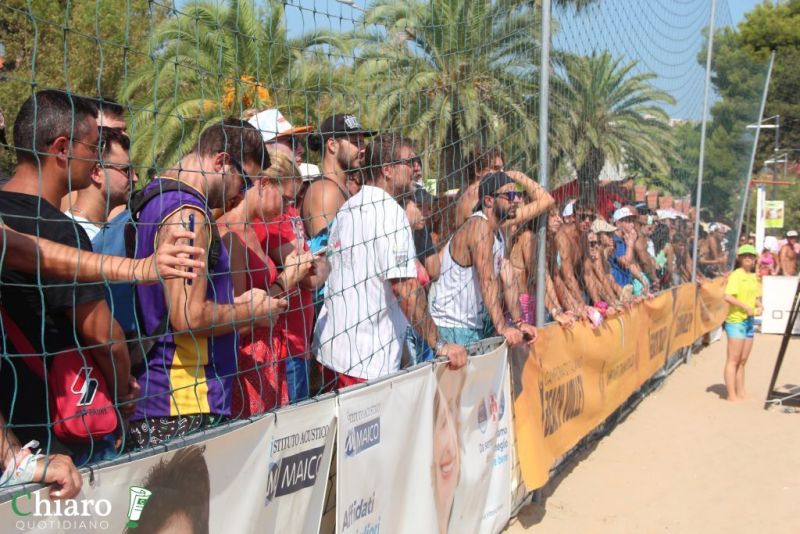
x,y
450,73
85,47
211,61
738,77
612,115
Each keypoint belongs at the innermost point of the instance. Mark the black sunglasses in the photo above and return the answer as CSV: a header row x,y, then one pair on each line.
x,y
248,182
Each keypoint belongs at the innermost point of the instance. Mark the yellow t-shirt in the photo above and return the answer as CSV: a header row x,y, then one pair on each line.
x,y
745,287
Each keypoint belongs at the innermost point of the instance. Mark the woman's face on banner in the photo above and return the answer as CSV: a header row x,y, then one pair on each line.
x,y
446,453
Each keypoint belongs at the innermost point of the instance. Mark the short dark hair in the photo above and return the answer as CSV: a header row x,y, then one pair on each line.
x,y
236,137
180,484
109,136
481,158
384,150
46,116
111,108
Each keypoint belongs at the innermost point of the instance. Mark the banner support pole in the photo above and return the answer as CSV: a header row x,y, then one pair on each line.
x,y
746,194
699,200
544,97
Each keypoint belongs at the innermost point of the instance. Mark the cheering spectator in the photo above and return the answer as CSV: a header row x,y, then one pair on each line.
x,y
767,263
372,293
468,288
187,378
788,255
56,135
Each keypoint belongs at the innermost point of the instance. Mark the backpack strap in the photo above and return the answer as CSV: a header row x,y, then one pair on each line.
x,y
141,198
33,360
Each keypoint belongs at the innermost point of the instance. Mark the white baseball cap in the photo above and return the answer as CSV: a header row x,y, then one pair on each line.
x,y
791,233
272,124
599,226
623,212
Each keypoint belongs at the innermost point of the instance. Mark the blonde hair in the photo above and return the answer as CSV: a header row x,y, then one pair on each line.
x,y
282,166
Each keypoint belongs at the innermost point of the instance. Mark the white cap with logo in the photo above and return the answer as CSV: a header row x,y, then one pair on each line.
x,y
272,124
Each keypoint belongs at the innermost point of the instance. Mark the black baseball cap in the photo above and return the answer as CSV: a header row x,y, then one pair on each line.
x,y
338,126
490,184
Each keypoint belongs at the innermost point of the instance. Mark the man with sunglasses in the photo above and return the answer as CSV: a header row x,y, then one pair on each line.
x,y
56,139
187,379
467,302
111,183
568,252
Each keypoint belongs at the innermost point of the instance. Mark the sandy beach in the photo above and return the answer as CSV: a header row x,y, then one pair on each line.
x,y
687,461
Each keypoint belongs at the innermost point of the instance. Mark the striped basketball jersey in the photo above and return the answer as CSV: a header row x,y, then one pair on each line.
x,y
185,373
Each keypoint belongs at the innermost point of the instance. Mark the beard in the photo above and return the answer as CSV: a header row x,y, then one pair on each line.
x,y
501,214
347,163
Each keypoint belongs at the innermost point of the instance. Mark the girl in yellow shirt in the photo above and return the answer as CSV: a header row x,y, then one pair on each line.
x,y
743,293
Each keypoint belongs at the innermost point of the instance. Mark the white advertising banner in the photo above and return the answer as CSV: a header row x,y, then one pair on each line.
x,y
472,483
778,294
296,473
268,476
384,457
193,488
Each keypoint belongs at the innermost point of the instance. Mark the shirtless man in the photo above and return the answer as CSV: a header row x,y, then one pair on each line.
x,y
787,257
341,140
468,294
568,251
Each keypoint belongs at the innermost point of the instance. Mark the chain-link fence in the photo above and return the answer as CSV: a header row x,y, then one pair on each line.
x,y
362,181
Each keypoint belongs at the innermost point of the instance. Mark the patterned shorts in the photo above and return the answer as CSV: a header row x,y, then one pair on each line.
x,y
158,430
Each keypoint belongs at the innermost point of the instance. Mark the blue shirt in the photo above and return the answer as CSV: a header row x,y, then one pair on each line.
x,y
622,275
111,241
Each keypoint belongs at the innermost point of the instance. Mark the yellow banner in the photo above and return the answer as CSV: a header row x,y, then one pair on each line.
x,y
682,331
711,306
654,338
573,379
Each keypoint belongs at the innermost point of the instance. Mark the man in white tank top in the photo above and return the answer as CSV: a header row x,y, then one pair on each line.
x,y
468,293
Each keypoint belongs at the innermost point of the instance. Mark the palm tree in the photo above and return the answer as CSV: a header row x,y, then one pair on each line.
x,y
611,114
450,72
212,61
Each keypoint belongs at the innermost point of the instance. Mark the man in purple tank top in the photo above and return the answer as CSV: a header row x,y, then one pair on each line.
x,y
188,374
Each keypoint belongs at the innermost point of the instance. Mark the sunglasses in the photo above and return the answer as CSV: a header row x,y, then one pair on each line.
x,y
124,169
248,182
511,196
411,162
593,243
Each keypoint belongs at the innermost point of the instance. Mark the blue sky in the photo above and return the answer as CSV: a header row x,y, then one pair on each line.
x,y
662,36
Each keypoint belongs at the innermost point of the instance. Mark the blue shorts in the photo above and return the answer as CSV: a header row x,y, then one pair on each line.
x,y
744,330
460,336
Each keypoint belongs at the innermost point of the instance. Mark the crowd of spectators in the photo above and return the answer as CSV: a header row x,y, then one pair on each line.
x,y
244,278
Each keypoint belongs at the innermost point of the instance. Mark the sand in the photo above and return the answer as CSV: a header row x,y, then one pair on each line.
x,y
687,461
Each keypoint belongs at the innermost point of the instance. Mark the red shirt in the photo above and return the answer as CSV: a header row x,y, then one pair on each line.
x,y
293,329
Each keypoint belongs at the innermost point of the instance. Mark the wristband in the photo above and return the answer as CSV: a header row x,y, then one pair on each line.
x,y
439,345
21,468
